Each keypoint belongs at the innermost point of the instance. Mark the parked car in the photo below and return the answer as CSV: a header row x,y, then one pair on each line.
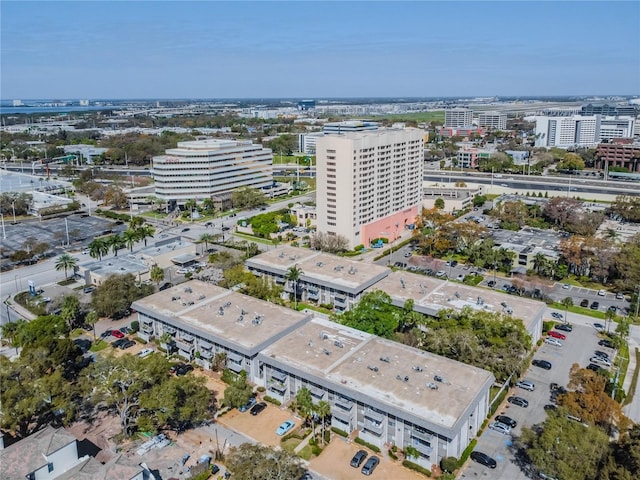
x,y
506,421
601,354
558,335
602,293
127,344
598,326
519,401
600,361
285,427
460,278
358,458
88,289
606,343
145,352
248,405
526,384
370,465
584,303
440,273
565,327
125,330
556,315
174,368
542,364
500,428
184,370
483,459
594,367
117,334
553,341
619,296
491,283
595,306
117,343
550,406
257,408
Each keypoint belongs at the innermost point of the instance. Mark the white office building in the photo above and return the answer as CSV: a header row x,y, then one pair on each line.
x,y
581,130
493,120
369,184
458,117
200,169
307,142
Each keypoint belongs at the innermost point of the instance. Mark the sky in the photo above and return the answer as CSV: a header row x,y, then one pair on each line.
x,y
303,49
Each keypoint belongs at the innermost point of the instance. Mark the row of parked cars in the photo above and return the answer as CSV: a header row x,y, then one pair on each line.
x,y
369,466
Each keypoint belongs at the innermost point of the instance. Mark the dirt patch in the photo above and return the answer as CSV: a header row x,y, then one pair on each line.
x,y
261,427
334,463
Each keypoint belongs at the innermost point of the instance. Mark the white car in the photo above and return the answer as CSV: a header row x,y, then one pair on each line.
x,y
602,293
553,341
145,352
500,428
441,273
526,384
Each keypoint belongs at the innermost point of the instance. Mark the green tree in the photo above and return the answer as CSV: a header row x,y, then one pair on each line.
x,y
145,231
259,462
98,248
571,162
115,295
323,410
238,392
156,274
623,461
439,203
567,302
115,243
207,238
373,314
293,276
66,262
305,405
129,238
91,319
70,309
564,448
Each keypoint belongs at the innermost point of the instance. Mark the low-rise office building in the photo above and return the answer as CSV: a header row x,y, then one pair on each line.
x,y
203,320
390,393
455,198
325,279
430,295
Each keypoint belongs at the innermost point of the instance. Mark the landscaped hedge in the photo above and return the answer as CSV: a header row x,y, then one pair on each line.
x,y
370,446
269,399
467,452
416,467
337,431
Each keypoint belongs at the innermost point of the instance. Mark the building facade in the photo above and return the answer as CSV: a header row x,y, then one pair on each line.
x,y
204,168
624,153
493,120
468,156
581,130
369,184
458,117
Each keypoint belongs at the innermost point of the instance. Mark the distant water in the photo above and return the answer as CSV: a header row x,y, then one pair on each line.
x,y
44,109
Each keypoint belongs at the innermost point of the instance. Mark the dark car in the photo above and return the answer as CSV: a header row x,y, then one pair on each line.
x,y
125,330
174,368
186,229
358,458
594,367
491,284
118,343
606,343
519,401
483,459
506,420
225,229
257,408
215,468
584,303
542,364
565,327
370,465
454,263
550,406
184,370
595,306
127,344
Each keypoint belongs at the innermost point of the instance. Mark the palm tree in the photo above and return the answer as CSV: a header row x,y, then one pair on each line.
x,y
129,237
293,275
66,262
92,318
538,262
115,243
567,302
206,238
136,222
156,274
208,205
145,231
98,248
323,410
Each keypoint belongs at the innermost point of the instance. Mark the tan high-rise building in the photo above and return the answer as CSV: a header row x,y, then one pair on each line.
x,y
369,184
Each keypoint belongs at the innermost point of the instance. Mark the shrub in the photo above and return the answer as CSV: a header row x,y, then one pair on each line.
x,y
140,340
392,455
547,325
416,467
357,248
467,452
313,442
261,389
316,450
269,399
337,431
449,464
364,443
135,325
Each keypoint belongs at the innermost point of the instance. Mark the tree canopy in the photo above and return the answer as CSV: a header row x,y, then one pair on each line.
x,y
259,462
115,295
374,314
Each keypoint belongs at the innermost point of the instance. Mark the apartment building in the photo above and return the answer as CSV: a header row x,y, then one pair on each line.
x,y
369,183
581,130
493,120
203,168
458,117
390,393
468,156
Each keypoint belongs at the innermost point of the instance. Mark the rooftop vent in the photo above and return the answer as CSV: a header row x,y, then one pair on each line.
x,y
457,295
373,368
221,311
338,268
480,301
352,270
422,289
404,379
188,290
319,264
338,344
281,255
417,368
201,297
227,305
385,359
402,283
240,318
432,386
323,335
326,352
440,379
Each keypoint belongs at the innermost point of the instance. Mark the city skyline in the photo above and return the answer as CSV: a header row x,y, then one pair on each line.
x,y
318,49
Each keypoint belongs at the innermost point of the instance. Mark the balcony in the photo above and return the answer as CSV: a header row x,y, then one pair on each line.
x,y
421,436
423,448
373,415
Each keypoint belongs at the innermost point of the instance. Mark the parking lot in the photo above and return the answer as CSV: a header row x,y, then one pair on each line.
x,y
577,348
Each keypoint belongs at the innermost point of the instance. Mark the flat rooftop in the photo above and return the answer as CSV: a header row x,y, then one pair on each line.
x,y
120,265
389,372
430,295
321,268
239,319
528,236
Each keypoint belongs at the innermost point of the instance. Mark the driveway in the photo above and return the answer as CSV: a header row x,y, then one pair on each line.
x,y
261,427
